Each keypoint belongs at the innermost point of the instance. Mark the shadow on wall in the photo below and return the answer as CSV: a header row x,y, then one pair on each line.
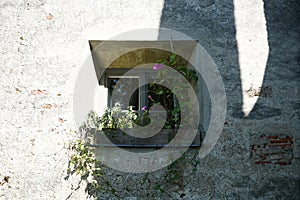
x,y
212,24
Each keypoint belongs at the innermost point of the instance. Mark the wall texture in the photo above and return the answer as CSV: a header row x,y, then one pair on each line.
x,y
44,43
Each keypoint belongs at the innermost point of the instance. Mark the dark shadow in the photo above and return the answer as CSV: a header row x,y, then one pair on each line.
x,y
212,24
166,183
280,97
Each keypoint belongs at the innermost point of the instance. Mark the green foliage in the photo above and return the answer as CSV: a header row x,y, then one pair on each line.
x,y
84,164
158,187
143,118
166,97
93,121
82,161
114,118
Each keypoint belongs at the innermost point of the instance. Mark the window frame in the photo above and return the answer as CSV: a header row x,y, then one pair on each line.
x,y
141,73
117,70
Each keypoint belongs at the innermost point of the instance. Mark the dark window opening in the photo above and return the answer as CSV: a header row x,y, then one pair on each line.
x,y
118,88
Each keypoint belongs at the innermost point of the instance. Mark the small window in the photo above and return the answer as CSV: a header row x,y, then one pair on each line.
x,y
140,89
143,95
120,91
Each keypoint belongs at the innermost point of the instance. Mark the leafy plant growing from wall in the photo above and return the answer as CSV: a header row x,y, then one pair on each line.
x,y
161,95
83,161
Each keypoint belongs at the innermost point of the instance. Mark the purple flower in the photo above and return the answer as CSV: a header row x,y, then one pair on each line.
x,y
149,96
158,66
144,108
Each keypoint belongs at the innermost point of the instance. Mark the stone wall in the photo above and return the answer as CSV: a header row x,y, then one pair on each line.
x,y
43,47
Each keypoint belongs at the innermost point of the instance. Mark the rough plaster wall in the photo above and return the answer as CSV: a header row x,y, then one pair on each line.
x,y
40,58
41,55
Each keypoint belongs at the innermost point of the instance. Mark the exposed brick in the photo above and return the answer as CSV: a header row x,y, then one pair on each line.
x,y
55,105
280,141
282,163
38,92
272,149
273,136
49,16
47,106
281,145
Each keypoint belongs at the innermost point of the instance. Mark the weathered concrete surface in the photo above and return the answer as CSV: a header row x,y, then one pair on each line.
x,y
43,45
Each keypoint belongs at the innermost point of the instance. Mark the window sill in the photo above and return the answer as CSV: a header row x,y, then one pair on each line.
x,y
120,139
